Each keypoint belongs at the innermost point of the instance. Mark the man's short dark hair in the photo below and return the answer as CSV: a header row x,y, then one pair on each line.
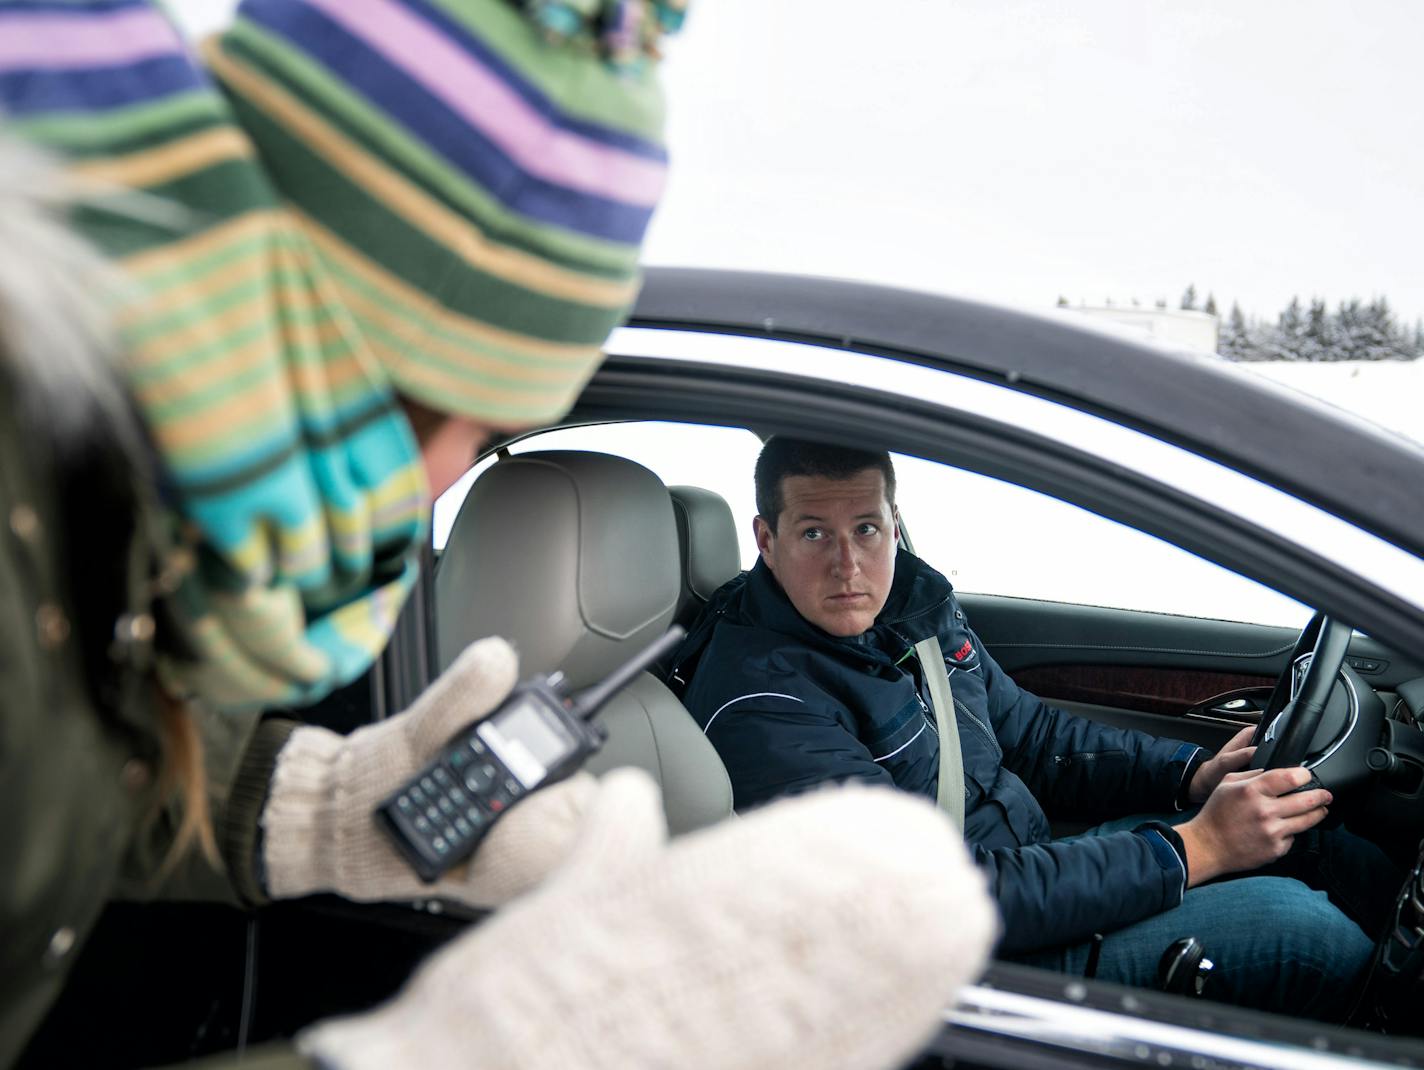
x,y
782,457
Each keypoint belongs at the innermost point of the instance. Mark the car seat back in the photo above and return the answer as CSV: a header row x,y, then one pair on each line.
x,y
574,558
708,547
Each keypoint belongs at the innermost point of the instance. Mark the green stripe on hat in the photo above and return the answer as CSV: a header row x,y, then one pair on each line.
x,y
387,140
419,260
85,134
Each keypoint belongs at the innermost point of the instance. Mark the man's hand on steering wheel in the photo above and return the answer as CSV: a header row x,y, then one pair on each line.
x,y
1252,818
1230,759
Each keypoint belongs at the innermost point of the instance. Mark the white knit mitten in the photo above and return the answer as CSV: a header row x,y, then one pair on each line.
x,y
824,931
318,832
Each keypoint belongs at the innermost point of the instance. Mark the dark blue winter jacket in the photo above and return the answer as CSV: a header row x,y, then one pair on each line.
x,y
790,707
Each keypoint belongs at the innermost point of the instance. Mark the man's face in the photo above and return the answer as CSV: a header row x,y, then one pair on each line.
x,y
833,551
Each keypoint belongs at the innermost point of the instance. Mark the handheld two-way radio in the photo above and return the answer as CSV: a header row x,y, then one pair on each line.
x,y
537,736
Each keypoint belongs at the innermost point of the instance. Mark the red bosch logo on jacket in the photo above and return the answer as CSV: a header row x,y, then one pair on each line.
x,y
964,651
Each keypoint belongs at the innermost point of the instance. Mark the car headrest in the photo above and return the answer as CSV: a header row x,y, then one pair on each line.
x,y
707,540
571,556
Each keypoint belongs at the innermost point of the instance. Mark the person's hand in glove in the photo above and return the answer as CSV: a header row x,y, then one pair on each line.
x,y
828,930
318,833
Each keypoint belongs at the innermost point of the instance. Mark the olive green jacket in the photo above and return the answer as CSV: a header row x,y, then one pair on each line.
x,y
79,787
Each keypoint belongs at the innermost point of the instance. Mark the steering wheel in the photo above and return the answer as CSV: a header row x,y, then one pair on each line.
x,y
1288,724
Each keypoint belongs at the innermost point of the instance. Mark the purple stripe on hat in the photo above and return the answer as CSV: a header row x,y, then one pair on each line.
x,y
70,7
432,120
488,103
516,80
330,43
27,92
52,41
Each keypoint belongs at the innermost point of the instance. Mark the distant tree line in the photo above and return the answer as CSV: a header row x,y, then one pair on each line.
x,y
1353,331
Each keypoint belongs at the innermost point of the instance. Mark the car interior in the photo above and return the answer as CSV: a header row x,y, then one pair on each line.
x,y
582,558
598,551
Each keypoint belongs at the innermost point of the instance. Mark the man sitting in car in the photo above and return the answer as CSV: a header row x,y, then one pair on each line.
x,y
804,671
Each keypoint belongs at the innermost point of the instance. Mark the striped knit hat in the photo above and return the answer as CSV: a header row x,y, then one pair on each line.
x,y
437,198
477,195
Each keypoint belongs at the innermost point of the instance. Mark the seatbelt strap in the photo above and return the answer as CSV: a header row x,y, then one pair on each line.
x,y
951,761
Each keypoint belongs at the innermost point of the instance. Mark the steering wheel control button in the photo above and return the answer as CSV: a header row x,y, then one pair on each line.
x,y
1369,665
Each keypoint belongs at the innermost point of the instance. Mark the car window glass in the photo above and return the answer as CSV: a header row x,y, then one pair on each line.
x,y
986,535
718,459
992,537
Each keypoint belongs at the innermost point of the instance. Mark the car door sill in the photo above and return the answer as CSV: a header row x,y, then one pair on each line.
x,y
1022,1017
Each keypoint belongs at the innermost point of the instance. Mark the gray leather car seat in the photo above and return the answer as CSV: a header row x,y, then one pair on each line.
x,y
574,558
709,549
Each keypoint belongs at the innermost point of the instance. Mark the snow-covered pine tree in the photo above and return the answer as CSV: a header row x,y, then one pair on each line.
x,y
1318,335
1286,340
1189,298
1350,341
1379,337
1234,343
1263,341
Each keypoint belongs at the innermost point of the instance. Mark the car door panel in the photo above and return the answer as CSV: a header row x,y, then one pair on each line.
x,y
1024,633
1164,674
1153,672
1211,734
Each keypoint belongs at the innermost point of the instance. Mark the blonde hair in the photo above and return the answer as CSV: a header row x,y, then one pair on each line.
x,y
184,776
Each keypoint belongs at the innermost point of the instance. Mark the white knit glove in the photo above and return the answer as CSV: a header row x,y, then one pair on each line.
x,y
824,931
318,833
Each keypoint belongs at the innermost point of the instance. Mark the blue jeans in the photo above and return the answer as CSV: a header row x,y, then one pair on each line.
x,y
1289,938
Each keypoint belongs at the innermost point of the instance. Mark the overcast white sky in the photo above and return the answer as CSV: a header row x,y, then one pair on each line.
x,y
1018,149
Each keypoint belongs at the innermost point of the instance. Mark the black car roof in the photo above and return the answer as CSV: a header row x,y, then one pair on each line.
x,y
1319,453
